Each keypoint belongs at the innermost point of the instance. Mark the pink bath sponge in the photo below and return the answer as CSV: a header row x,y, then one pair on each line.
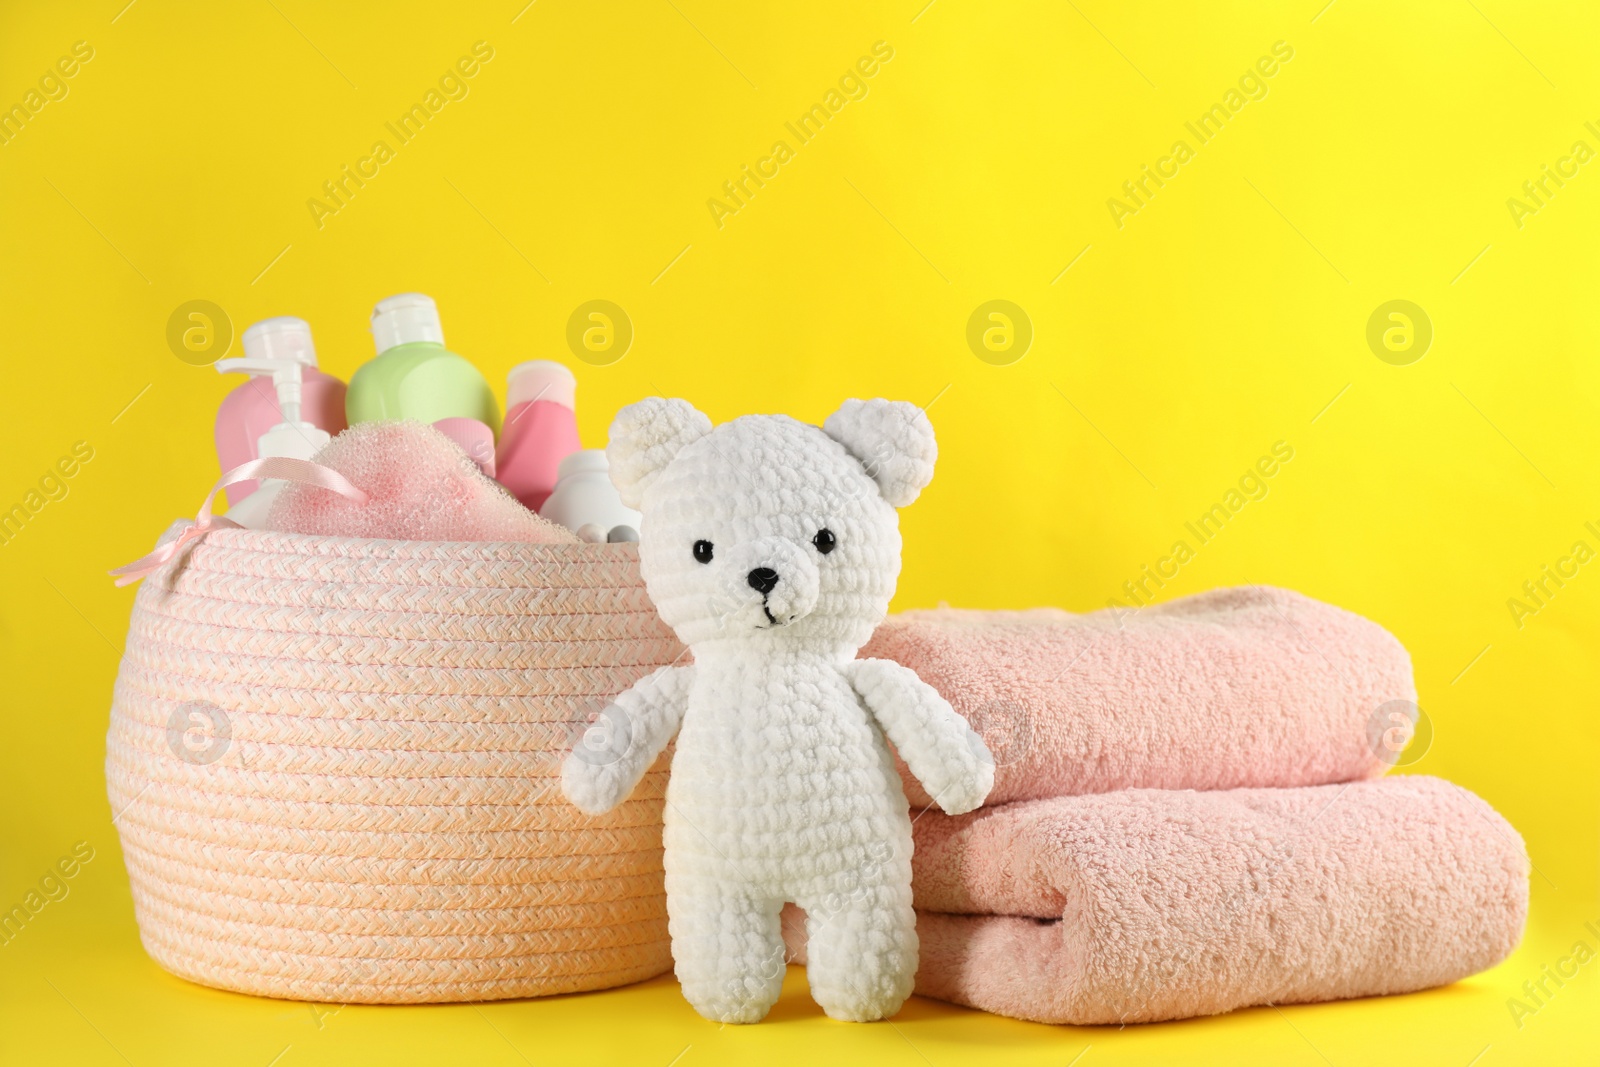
x,y
420,486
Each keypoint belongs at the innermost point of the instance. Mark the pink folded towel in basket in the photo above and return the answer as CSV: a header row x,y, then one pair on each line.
x,y
1242,687
1146,905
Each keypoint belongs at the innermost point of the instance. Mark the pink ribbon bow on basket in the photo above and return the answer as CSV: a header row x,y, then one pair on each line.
x,y
302,471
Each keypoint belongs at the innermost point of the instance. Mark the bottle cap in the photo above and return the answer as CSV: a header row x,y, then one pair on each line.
x,y
583,461
282,338
402,319
541,379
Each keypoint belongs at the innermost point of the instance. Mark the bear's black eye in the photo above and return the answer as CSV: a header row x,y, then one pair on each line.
x,y
824,540
702,551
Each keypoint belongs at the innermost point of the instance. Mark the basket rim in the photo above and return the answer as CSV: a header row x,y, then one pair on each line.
x,y
282,542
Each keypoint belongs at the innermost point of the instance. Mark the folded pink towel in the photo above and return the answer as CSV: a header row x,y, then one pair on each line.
x,y
420,486
1145,905
1239,687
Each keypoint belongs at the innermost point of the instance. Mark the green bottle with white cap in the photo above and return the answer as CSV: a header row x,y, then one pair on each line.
x,y
414,376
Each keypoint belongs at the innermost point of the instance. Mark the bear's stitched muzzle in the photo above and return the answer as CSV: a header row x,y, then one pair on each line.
x,y
771,581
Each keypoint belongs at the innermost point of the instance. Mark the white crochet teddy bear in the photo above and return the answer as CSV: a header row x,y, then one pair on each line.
x,y
772,547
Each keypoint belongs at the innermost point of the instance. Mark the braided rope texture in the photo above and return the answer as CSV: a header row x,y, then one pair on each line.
x,y
335,767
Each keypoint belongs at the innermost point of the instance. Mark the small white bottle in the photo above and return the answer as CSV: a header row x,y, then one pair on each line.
x,y
584,495
278,347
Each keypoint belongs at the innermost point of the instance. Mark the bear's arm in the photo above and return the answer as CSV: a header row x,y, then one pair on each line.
x,y
615,751
942,751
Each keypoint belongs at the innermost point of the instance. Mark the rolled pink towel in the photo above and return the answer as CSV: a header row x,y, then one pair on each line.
x,y
1146,905
420,486
1251,686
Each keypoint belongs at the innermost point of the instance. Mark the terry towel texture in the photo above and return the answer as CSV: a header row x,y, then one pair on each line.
x,y
1146,905
1252,686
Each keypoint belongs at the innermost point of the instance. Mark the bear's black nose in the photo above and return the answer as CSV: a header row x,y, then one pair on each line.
x,y
763,580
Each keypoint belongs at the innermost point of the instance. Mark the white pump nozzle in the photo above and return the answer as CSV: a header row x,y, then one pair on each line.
x,y
280,348
285,380
284,337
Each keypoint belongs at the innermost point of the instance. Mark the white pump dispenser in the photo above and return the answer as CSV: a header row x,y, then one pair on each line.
x,y
282,348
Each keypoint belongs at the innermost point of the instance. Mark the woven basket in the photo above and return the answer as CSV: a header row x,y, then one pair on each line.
x,y
334,764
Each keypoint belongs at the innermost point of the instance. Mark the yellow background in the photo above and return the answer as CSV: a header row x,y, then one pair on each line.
x,y
1224,316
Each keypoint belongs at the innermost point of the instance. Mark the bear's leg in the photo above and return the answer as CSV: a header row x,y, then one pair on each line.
x,y
861,951
728,949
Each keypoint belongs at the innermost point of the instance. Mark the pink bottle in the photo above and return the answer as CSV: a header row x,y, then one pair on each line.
x,y
540,429
475,439
252,409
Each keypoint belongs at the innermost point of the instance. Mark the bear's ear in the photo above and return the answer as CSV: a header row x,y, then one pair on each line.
x,y
645,437
893,439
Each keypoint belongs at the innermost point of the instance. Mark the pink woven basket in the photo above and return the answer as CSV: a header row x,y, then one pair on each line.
x,y
334,765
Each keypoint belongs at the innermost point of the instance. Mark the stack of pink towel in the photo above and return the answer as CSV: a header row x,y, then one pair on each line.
x,y
1186,817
